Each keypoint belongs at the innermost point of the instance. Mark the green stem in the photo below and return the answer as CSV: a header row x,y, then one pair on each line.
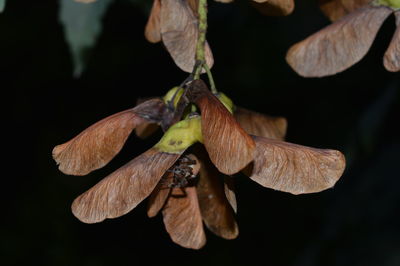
x,y
210,79
201,38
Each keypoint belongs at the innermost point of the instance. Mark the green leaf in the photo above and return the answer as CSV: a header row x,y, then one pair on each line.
x,y
2,5
82,26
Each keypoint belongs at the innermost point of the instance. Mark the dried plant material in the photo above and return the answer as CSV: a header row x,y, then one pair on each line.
x,y
179,33
230,148
338,46
182,218
391,59
224,1
261,125
274,7
124,189
215,208
158,197
146,129
333,9
98,144
293,168
194,5
196,166
230,192
352,5
152,31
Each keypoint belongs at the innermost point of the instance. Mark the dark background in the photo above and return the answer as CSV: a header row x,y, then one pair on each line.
x,y
357,111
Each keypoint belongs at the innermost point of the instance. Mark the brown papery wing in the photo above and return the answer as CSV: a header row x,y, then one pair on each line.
x,y
392,55
352,5
293,168
224,1
179,33
152,31
230,148
158,197
98,144
339,45
261,125
182,218
229,188
124,189
335,9
146,129
274,7
215,208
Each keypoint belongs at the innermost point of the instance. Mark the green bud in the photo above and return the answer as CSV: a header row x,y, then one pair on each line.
x,y
170,94
181,135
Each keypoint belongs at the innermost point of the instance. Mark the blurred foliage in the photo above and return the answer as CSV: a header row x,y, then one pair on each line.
x,y
82,26
357,111
2,5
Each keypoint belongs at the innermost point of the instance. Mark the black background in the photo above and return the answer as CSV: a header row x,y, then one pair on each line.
x,y
357,112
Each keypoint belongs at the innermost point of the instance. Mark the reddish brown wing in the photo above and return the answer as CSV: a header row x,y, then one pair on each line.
x,y
293,168
124,189
230,148
274,7
152,31
335,9
338,46
158,198
261,125
98,144
230,191
182,218
215,209
392,55
179,33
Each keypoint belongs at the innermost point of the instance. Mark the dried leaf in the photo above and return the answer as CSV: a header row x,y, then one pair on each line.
x,y
179,33
215,209
124,189
338,46
230,192
230,148
261,125
274,7
391,59
98,144
296,169
152,31
182,218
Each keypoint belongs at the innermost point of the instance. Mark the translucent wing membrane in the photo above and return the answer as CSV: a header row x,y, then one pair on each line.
x,y
293,168
339,45
182,218
124,189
